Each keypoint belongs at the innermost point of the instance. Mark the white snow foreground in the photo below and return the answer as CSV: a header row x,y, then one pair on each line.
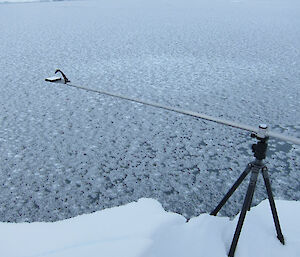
x,y
143,228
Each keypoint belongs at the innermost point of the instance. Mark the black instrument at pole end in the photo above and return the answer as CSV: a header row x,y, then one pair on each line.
x,y
66,80
57,79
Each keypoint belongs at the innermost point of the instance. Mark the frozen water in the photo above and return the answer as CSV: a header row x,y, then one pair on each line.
x,y
64,152
28,1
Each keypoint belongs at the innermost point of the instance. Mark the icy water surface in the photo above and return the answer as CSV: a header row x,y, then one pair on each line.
x,y
64,152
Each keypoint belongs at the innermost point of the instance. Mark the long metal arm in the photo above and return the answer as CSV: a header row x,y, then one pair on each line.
x,y
190,113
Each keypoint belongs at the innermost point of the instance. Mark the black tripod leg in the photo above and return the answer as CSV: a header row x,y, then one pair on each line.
x,y
272,204
232,189
251,198
247,203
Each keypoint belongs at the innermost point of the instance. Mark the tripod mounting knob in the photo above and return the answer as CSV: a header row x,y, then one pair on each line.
x,y
262,132
260,149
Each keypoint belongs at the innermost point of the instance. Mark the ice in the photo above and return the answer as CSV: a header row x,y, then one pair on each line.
x,y
64,152
28,1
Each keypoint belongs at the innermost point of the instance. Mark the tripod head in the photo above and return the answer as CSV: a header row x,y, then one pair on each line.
x,y
260,148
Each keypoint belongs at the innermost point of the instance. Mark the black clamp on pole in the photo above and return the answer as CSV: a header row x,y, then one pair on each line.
x,y
259,149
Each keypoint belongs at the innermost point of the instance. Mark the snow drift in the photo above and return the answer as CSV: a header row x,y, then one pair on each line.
x,y
143,228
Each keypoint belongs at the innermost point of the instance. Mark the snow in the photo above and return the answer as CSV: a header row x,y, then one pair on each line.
x,y
145,229
65,152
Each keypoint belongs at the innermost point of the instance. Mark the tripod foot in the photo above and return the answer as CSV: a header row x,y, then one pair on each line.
x,y
272,204
281,239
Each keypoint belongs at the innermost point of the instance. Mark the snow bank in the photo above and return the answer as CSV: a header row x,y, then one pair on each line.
x,y
143,228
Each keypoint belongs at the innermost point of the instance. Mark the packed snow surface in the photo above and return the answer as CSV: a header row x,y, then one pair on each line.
x,y
64,152
145,229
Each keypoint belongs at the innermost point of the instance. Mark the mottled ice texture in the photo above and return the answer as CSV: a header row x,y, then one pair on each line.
x,y
64,151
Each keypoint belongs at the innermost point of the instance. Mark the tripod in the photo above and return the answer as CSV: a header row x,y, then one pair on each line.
x,y
254,167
